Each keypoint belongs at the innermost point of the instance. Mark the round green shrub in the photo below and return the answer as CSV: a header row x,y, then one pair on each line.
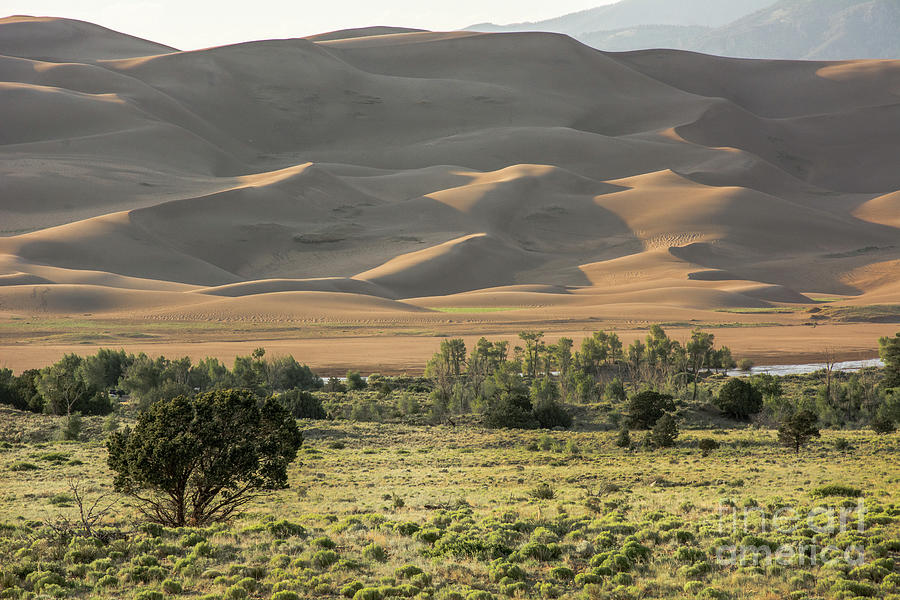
x,y
429,535
714,593
369,593
325,558
375,552
693,587
236,592
562,573
191,539
407,571
349,590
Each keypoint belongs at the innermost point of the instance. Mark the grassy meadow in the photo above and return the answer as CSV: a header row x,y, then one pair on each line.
x,y
384,510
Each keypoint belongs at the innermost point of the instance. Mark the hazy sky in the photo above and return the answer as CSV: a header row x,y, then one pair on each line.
x,y
191,24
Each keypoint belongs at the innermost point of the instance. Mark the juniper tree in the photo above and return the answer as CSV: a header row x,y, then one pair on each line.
x,y
190,462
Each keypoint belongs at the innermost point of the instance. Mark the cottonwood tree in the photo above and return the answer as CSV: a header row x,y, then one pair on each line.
x,y
190,462
889,349
564,361
533,353
65,391
698,351
446,366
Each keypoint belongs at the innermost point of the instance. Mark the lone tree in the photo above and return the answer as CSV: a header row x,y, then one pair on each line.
x,y
739,399
797,429
664,432
190,462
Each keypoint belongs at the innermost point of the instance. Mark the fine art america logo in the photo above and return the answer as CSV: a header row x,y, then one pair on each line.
x,y
811,533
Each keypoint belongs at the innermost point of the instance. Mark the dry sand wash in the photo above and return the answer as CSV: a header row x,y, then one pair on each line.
x,y
373,176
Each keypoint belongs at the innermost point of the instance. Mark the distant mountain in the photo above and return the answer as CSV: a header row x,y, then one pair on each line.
x,y
678,37
634,13
787,29
811,29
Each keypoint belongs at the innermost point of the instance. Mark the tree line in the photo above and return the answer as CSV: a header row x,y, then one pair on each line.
x,y
529,385
92,385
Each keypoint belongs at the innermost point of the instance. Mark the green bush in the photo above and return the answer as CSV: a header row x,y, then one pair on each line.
x,y
285,595
539,551
375,552
369,593
715,594
428,535
739,399
845,491
550,414
236,592
647,407
542,491
707,445
324,542
407,528
191,539
349,590
693,587
302,404
407,571
504,570
664,432
689,555
284,528
325,558
562,573
855,587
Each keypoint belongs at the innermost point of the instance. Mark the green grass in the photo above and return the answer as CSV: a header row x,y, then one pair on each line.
x,y
397,510
465,309
875,313
764,310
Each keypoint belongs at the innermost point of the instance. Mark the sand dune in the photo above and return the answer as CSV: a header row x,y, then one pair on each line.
x,y
270,286
386,175
66,40
884,210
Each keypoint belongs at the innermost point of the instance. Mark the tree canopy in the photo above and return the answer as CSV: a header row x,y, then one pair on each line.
x,y
647,407
196,461
739,399
797,429
889,349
